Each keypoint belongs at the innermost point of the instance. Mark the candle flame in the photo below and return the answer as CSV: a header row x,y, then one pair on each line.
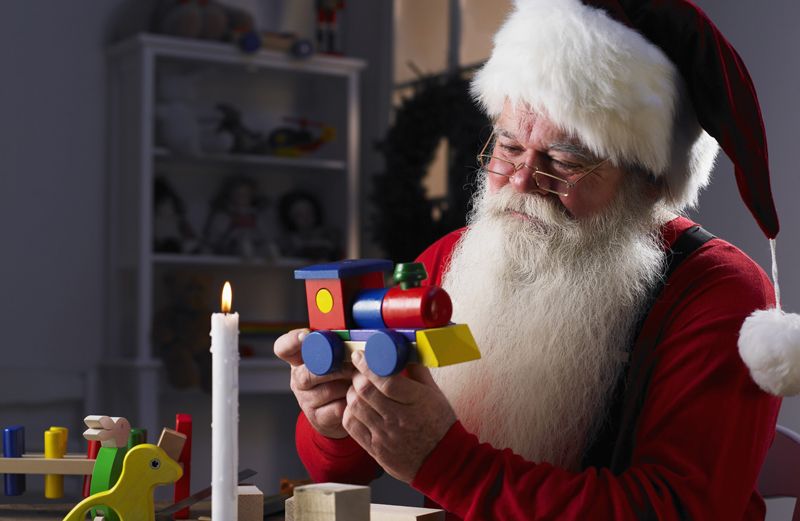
x,y
227,297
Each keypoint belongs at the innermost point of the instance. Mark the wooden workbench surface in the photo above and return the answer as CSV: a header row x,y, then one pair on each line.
x,y
57,511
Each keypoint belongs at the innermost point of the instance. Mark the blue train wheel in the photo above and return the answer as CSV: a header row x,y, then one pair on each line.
x,y
386,352
323,352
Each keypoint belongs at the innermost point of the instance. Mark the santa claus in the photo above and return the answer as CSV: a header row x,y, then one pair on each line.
x,y
611,385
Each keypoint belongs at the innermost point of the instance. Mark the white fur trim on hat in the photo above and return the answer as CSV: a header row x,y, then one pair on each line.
x,y
769,344
603,82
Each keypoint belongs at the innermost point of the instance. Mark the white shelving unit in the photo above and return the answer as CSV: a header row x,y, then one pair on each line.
x,y
132,377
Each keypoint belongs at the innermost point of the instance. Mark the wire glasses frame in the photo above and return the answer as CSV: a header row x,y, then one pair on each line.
x,y
545,181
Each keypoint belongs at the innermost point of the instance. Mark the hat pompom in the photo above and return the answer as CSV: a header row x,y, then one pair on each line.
x,y
769,344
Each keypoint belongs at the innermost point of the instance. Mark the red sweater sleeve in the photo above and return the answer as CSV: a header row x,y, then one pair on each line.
x,y
333,460
701,437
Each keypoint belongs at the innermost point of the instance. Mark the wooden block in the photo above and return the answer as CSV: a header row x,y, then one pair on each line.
x,y
107,470
397,513
183,424
344,334
63,466
91,453
325,300
250,503
331,502
136,437
367,309
446,345
172,441
287,485
387,352
362,335
323,352
110,431
289,509
422,307
352,346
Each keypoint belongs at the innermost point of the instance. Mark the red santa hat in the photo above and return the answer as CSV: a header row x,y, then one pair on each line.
x,y
655,85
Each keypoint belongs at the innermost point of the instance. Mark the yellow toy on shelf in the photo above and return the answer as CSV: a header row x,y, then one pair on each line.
x,y
145,467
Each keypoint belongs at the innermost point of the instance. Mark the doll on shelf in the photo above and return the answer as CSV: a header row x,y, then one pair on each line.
x,y
172,232
304,234
232,227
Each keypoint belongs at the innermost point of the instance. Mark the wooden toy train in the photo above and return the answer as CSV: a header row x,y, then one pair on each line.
x,y
350,309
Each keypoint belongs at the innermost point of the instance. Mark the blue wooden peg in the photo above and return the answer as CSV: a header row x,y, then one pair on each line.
x,y
14,447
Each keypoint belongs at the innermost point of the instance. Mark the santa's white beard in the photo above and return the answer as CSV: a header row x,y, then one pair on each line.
x,y
552,302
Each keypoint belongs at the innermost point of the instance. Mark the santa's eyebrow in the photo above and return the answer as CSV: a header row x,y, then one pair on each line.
x,y
505,133
566,147
573,149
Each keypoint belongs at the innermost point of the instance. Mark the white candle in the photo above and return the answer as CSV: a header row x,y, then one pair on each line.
x,y
224,410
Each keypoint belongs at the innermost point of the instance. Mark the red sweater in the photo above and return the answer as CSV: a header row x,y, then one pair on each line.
x,y
704,429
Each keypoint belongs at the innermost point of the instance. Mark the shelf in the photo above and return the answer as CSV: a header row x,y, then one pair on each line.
x,y
265,84
229,54
183,259
163,154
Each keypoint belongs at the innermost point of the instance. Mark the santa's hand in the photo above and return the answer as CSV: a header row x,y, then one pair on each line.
x,y
322,398
398,420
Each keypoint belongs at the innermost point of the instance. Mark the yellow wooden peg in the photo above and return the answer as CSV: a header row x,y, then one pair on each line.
x,y
446,346
55,446
145,467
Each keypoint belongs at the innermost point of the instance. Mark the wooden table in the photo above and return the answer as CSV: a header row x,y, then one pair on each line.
x,y
57,511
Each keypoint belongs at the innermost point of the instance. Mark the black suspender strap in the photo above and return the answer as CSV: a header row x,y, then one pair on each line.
x,y
613,445
689,241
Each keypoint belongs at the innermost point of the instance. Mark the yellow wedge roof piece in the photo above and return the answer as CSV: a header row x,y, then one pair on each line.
x,y
446,345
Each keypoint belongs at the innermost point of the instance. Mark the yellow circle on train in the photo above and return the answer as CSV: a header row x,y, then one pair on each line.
x,y
324,300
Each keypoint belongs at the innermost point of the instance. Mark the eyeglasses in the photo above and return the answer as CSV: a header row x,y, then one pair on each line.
x,y
545,181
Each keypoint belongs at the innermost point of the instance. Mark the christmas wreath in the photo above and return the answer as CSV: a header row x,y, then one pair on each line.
x,y
406,220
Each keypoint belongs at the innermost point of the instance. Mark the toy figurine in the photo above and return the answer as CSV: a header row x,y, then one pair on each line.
x,y
145,467
328,38
233,227
295,142
171,231
245,140
304,236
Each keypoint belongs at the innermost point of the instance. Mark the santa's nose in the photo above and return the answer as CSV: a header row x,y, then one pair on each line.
x,y
524,180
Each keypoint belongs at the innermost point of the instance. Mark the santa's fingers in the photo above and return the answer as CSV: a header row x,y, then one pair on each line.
x,y
357,430
364,411
370,394
328,416
397,388
323,394
305,380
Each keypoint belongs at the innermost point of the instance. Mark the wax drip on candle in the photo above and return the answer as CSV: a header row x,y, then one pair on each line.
x,y
227,297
